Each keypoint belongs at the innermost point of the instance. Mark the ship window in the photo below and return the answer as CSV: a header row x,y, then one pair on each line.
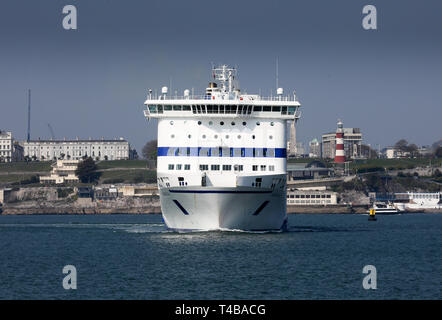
x,y
263,168
233,123
171,151
257,108
204,167
239,136
178,166
237,152
214,152
258,123
253,137
177,108
283,110
271,168
204,152
271,152
160,109
204,136
215,136
239,167
215,109
267,108
187,167
209,109
221,123
291,110
276,109
170,166
254,168
167,108
244,123
186,108
227,167
153,109
226,152
272,123
227,136
214,167
199,123
240,109
189,136
210,123
328,196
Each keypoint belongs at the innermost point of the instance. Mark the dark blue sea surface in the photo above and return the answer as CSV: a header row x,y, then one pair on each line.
x,y
136,257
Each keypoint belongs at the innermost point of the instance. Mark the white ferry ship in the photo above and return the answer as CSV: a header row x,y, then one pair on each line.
x,y
222,156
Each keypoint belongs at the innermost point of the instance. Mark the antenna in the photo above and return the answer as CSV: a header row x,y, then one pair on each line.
x,y
51,131
29,115
277,76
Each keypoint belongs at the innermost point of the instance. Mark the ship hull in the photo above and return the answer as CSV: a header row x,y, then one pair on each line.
x,y
212,208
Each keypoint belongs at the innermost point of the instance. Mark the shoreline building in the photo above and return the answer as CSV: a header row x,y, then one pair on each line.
x,y
62,171
352,144
10,150
315,149
77,149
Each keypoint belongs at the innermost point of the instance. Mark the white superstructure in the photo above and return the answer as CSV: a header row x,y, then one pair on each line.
x,y
222,156
420,200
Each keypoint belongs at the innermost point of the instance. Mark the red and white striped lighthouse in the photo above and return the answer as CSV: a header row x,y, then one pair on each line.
x,y
340,153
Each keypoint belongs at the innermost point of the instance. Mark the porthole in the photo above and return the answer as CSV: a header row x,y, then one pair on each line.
x,y
258,123
253,137
199,123
239,136
221,123
244,123
172,136
171,123
233,123
204,136
270,137
216,136
189,136
227,136
210,123
272,123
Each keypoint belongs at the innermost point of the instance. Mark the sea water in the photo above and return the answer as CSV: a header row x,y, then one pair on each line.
x,y
322,256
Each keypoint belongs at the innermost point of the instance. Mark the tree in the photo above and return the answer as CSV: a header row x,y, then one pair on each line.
x,y
150,150
401,145
438,152
87,171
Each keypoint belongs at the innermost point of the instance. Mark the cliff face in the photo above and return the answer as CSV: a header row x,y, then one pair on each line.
x,y
84,206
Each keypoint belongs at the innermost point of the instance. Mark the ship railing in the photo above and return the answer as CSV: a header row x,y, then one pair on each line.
x,y
209,97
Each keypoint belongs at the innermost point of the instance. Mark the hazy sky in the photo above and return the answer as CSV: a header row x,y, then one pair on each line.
x,y
92,82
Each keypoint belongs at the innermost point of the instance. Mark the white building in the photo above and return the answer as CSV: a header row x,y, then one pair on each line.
x,y
10,150
311,197
315,149
62,171
77,149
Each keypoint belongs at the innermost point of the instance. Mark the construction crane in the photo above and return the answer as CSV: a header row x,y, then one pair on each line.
x,y
51,131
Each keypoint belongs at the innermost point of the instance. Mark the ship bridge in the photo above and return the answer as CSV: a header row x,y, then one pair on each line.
x,y
223,98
